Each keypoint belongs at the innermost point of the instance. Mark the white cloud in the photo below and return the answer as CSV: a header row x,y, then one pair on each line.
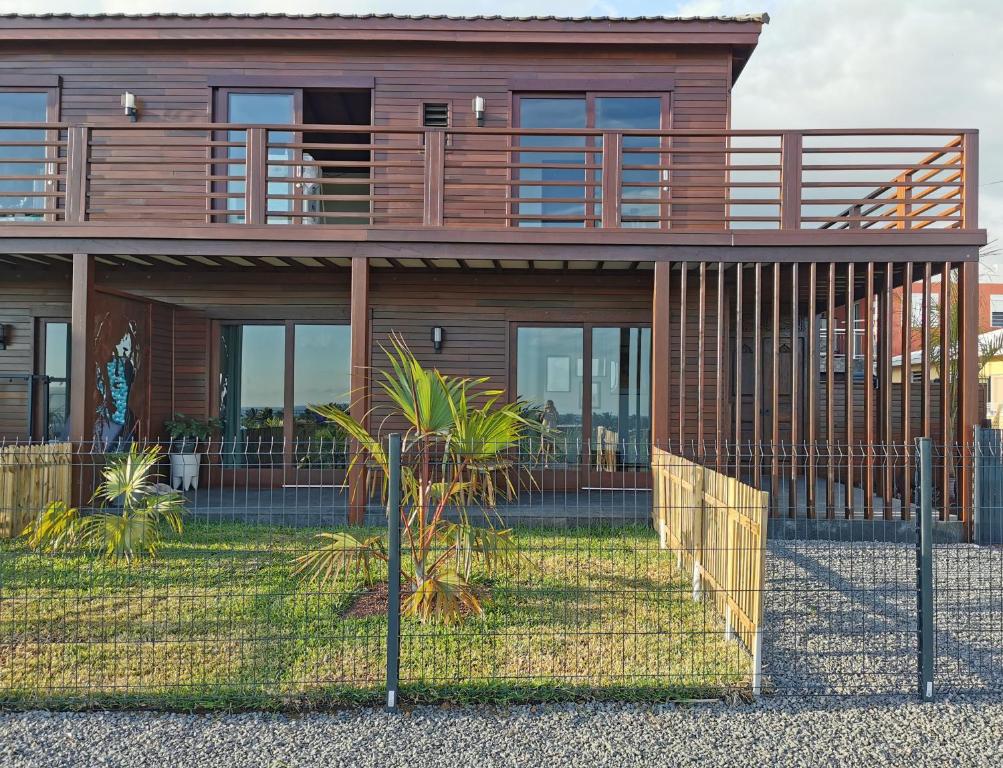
x,y
820,63
888,64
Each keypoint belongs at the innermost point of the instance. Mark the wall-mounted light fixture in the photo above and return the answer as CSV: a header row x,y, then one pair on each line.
x,y
478,106
438,336
129,105
4,331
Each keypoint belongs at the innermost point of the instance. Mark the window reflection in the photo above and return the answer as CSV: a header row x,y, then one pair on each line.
x,y
549,376
260,109
559,198
18,197
638,185
57,367
621,396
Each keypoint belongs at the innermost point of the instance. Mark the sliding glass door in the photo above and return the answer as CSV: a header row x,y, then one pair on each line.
x,y
599,412
559,186
269,376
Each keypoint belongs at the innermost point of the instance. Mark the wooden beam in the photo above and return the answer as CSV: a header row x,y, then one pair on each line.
x,y
661,356
968,373
682,355
359,377
906,369
82,359
812,400
946,427
739,340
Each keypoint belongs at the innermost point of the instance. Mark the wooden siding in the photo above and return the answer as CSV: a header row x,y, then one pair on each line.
x,y
23,300
172,82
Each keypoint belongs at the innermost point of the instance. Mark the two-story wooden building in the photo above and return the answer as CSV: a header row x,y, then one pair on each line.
x,y
229,215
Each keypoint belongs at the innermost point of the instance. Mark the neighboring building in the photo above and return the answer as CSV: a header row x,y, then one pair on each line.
x,y
230,215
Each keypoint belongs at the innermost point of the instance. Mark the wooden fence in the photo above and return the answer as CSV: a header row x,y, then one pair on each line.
x,y
31,477
716,525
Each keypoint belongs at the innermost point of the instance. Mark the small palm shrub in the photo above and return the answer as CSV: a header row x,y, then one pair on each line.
x,y
456,456
147,513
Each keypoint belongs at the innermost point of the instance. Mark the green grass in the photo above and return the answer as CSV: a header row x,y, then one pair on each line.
x,y
217,622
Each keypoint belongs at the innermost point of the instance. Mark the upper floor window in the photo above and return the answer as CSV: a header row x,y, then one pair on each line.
x,y
23,182
560,187
996,311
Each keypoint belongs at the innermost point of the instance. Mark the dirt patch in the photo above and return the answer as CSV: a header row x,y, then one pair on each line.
x,y
375,600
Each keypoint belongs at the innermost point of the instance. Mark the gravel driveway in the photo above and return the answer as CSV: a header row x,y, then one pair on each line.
x,y
841,618
781,731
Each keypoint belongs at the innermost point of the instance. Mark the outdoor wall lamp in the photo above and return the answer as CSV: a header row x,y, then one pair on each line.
x,y
4,330
438,335
129,105
478,105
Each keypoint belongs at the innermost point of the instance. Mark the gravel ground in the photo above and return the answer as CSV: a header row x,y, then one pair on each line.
x,y
841,618
781,731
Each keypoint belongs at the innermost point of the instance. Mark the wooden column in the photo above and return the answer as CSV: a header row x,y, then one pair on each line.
x,y
968,376
661,354
357,491
82,344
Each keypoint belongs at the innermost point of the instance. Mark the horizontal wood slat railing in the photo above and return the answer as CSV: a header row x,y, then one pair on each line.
x,y
360,176
717,528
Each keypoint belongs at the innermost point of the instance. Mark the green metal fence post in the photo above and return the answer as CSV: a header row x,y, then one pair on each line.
x,y
393,571
924,570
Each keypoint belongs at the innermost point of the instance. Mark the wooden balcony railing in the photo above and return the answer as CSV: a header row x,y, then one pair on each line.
x,y
167,175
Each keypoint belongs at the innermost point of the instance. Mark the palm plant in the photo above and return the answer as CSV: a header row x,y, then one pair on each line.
x,y
457,443
147,513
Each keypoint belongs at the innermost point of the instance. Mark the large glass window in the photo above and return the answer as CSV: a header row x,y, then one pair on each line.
x,y
621,396
19,198
640,185
558,196
560,186
56,368
550,378
261,405
321,376
261,109
604,405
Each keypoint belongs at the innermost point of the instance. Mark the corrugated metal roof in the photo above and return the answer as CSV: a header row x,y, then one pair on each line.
x,y
761,18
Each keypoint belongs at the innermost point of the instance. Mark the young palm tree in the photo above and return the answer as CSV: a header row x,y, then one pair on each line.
x,y
458,441
147,513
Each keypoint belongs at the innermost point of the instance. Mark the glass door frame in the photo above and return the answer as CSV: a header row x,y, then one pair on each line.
x,y
591,143
221,114
288,377
40,417
585,457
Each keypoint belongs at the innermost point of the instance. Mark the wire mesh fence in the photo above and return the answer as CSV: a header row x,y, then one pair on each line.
x,y
535,572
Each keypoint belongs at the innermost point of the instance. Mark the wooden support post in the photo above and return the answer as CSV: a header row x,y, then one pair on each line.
x,y
701,351
82,359
82,382
869,415
830,410
739,342
795,395
682,357
885,363
849,336
661,356
813,374
612,154
757,378
946,427
255,173
967,385
970,180
906,368
358,494
78,150
790,180
435,175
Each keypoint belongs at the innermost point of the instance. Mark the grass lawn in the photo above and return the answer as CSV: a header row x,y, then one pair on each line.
x,y
217,621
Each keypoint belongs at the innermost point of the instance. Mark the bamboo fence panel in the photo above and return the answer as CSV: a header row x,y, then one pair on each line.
x,y
716,525
31,478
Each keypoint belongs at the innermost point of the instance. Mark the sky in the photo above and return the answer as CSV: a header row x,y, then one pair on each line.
x,y
819,64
